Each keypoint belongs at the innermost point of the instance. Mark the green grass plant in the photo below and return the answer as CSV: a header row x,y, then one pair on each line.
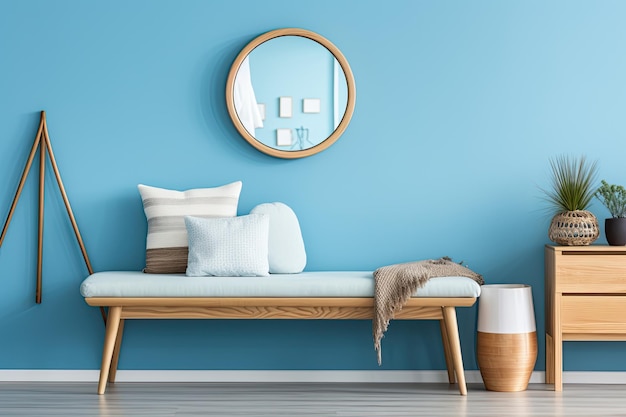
x,y
573,183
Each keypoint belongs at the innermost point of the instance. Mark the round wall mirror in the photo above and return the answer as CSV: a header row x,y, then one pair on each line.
x,y
290,93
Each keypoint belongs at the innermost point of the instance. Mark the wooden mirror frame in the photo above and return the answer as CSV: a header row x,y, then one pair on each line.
x,y
351,88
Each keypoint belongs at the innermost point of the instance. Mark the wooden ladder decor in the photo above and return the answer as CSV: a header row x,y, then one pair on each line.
x,y
42,143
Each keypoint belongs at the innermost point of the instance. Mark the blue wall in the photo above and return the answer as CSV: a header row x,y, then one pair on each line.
x,y
459,107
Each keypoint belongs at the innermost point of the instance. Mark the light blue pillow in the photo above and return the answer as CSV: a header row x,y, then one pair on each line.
x,y
228,246
286,246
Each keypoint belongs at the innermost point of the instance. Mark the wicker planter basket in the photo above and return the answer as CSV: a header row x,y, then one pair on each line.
x,y
574,228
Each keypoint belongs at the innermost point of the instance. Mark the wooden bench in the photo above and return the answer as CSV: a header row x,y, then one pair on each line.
x,y
121,308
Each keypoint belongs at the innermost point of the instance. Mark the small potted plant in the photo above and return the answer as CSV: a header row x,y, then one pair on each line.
x,y
571,194
614,199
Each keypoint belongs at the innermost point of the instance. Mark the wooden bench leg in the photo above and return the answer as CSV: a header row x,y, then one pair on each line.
x,y
447,352
113,324
116,352
449,316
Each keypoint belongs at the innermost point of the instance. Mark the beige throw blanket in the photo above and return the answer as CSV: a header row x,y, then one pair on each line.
x,y
395,284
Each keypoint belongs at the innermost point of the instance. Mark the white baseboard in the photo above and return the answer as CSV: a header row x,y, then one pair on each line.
x,y
56,375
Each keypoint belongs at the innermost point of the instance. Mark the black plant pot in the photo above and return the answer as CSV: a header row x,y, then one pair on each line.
x,y
615,231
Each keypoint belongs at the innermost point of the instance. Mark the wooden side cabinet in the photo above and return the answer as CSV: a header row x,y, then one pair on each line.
x,y
585,288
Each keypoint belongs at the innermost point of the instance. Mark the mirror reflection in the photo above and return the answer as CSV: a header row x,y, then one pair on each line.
x,y
290,93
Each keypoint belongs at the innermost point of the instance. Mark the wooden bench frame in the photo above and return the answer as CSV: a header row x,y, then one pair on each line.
x,y
121,308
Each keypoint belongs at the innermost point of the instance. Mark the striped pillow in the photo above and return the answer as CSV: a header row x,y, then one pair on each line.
x,y
166,243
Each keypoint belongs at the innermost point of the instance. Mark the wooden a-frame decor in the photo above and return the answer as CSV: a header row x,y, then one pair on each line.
x,y
42,143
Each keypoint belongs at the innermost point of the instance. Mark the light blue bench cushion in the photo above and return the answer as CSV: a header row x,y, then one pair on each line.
x,y
305,284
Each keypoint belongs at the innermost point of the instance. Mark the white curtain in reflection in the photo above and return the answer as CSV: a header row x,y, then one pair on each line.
x,y
245,100
335,94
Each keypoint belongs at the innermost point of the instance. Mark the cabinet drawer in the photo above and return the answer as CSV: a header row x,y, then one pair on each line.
x,y
590,273
589,314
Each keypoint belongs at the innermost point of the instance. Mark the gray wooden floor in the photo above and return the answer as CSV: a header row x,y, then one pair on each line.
x,y
299,399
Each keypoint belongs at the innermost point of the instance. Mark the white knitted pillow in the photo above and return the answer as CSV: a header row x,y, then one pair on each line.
x,y
228,247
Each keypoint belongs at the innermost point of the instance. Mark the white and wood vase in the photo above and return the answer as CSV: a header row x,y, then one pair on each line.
x,y
507,336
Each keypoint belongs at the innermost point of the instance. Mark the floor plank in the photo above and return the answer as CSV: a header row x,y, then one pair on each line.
x,y
302,399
